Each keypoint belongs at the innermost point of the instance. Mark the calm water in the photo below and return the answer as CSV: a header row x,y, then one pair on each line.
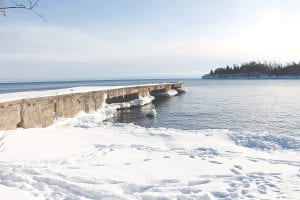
x,y
271,106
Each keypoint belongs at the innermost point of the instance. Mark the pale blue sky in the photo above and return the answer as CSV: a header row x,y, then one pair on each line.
x,y
100,39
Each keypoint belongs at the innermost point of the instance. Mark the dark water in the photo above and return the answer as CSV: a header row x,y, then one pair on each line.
x,y
271,106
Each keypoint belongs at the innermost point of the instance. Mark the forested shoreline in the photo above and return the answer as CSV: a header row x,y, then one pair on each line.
x,y
256,70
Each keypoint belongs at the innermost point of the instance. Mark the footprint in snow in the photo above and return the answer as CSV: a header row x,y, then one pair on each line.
x,y
231,190
215,162
189,191
246,184
238,167
169,182
244,192
220,194
200,182
235,171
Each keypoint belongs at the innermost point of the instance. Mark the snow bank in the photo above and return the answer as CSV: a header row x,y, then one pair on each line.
x,y
83,158
8,193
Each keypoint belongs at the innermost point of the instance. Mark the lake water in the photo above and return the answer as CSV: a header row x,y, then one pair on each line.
x,y
259,106
271,106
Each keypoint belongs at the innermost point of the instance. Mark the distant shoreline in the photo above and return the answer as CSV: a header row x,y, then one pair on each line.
x,y
256,70
250,77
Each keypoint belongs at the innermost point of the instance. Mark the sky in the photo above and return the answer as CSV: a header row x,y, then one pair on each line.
x,y
117,39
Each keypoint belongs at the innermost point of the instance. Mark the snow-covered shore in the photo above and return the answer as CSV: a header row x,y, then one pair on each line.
x,y
82,158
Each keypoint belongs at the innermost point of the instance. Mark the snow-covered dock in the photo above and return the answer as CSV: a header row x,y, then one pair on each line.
x,y
41,108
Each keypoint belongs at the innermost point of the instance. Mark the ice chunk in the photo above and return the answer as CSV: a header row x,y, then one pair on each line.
x,y
151,113
181,90
141,101
123,105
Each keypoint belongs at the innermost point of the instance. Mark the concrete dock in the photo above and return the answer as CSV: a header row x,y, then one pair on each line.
x,y
41,111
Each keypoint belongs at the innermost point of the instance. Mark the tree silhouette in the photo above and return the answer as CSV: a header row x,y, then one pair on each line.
x,y
256,69
28,5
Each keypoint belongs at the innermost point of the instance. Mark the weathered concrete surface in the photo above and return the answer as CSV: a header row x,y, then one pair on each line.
x,y
10,115
42,111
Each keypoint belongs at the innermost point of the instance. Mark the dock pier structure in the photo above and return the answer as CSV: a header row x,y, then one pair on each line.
x,y
35,109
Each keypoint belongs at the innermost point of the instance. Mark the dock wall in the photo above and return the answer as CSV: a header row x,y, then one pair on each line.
x,y
42,111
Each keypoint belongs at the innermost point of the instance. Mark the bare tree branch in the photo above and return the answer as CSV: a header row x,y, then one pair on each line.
x,y
29,6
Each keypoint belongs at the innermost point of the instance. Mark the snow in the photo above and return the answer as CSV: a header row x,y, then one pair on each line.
x,y
8,193
171,93
181,90
141,101
84,158
34,94
123,105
